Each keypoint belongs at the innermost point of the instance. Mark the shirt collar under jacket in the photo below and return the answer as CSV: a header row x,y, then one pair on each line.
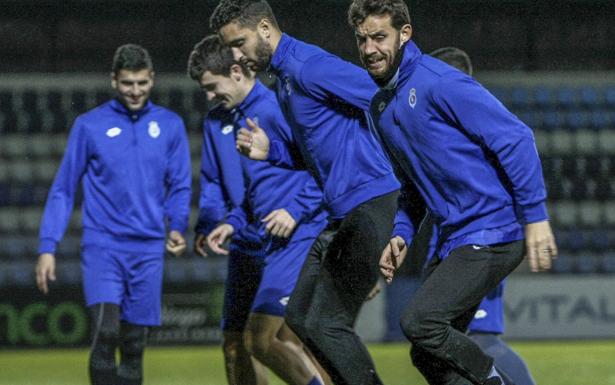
x,y
134,115
412,55
280,54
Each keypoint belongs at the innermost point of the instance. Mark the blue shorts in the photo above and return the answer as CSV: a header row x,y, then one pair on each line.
x,y
282,268
243,277
131,281
489,317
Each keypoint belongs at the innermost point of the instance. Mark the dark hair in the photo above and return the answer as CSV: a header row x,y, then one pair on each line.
x,y
211,55
360,9
247,13
455,57
131,57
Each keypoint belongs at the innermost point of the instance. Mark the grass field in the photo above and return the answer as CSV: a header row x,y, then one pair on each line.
x,y
552,363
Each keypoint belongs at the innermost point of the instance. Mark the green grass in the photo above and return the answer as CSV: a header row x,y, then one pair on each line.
x,y
552,363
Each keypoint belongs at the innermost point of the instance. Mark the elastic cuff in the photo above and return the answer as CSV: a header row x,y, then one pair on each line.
x,y
274,152
176,226
47,245
292,211
236,223
534,213
405,233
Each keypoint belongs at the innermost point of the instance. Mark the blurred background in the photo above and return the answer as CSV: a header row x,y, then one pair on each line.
x,y
551,62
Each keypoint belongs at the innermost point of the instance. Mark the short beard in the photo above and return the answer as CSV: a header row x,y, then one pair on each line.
x,y
383,80
263,53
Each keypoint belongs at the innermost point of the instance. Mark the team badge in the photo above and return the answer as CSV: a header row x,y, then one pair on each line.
x,y
113,132
412,98
227,129
153,129
381,106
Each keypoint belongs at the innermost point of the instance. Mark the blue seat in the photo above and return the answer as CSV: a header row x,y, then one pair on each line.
x,y
599,120
552,120
589,97
607,264
519,98
563,265
576,120
587,264
543,97
529,118
566,97
609,97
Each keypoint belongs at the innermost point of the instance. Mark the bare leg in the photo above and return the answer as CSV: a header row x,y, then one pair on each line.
x,y
286,334
241,368
286,358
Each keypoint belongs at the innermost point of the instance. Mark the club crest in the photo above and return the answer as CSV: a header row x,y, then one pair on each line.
x,y
412,98
153,129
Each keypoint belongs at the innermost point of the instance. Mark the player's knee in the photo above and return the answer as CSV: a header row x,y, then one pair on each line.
x,y
232,346
419,327
107,331
257,344
133,339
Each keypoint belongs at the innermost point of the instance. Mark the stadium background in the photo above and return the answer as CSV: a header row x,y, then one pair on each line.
x,y
550,62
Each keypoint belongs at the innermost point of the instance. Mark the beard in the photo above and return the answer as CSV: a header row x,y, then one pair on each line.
x,y
393,60
263,54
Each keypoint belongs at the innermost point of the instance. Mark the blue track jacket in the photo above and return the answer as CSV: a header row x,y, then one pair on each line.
x,y
266,187
324,100
474,163
222,183
136,173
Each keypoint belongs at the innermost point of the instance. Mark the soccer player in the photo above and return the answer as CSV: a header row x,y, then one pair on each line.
x,y
222,189
324,100
134,160
488,323
477,168
286,204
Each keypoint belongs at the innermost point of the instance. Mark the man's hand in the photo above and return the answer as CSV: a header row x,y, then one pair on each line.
x,y
176,243
218,236
253,142
200,241
280,223
45,271
540,245
392,257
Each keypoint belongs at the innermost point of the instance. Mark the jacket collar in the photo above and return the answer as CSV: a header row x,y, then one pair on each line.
x,y
280,54
253,96
412,55
134,115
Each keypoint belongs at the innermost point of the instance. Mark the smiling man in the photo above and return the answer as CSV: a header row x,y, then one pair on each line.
x,y
476,166
324,100
280,212
134,160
